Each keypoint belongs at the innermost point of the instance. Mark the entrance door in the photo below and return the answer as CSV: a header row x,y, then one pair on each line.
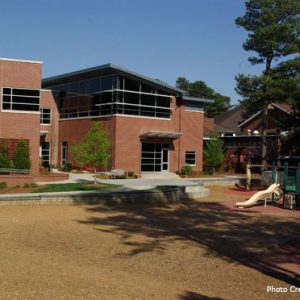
x,y
165,158
154,157
45,153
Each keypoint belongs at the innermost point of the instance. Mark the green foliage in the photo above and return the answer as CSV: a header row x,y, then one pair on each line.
x,y
3,185
213,154
94,148
22,156
273,27
130,173
186,170
68,187
5,162
200,89
67,166
30,185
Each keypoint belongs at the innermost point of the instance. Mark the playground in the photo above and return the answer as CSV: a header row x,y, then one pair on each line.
x,y
203,249
283,187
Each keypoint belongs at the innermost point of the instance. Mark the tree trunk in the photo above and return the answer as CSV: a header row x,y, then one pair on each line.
x,y
264,134
264,123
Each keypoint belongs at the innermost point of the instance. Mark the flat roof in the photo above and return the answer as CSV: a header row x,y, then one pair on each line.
x,y
21,60
66,77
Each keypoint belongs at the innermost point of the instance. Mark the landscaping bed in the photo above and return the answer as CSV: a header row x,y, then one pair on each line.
x,y
64,187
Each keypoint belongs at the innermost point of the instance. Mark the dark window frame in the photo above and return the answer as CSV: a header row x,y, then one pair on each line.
x,y
190,158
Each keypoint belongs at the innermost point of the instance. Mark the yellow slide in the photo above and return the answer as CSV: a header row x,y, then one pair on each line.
x,y
261,195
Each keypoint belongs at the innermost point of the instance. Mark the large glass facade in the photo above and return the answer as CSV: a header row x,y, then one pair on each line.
x,y
110,95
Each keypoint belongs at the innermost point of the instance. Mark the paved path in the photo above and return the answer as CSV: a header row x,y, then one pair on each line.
x,y
131,183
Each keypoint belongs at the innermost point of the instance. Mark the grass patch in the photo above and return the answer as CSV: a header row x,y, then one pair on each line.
x,y
70,187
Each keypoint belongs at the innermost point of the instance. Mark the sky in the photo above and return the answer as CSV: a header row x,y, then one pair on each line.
x,y
162,39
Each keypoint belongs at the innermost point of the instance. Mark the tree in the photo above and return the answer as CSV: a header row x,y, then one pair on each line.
x,y
4,157
22,156
213,154
94,149
201,90
273,33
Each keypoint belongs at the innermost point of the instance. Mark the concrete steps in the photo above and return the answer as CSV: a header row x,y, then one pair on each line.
x,y
159,176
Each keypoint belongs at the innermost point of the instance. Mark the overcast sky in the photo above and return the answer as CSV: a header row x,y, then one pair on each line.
x,y
163,39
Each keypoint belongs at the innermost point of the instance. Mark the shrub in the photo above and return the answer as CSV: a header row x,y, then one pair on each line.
x,y
3,185
186,170
4,157
130,173
22,156
29,185
67,166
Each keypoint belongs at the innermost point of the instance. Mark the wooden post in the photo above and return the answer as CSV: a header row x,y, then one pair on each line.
x,y
248,179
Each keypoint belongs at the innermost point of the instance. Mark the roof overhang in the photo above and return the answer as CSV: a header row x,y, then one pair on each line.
x,y
196,99
43,132
161,134
108,69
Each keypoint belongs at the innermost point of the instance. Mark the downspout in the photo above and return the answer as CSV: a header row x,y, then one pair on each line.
x,y
179,130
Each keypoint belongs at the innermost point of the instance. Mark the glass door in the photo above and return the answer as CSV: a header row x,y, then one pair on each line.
x,y
165,158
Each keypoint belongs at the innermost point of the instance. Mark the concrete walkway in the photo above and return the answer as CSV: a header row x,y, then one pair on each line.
x,y
129,183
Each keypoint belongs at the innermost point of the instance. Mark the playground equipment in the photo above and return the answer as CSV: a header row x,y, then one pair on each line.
x,y
290,183
261,195
287,177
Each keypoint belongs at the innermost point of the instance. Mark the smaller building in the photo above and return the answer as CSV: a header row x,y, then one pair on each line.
x,y
242,135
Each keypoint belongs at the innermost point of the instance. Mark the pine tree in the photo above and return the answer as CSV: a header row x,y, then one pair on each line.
x,y
213,154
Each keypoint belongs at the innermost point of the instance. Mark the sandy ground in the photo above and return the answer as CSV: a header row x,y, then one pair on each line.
x,y
195,250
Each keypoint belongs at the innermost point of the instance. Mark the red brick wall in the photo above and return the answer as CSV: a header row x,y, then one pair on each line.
x,y
21,125
48,101
192,137
20,74
125,131
72,131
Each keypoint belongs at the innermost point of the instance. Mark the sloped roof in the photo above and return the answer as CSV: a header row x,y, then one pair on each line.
x,y
229,121
282,106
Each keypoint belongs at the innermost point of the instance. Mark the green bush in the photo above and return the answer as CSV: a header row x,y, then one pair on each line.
x,y
213,155
130,173
29,185
67,166
186,170
4,157
22,156
3,185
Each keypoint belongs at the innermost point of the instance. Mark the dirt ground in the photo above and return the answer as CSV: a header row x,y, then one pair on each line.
x,y
194,250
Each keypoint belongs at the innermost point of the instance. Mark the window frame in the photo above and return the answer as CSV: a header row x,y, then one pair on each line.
x,y
42,113
64,158
189,152
11,103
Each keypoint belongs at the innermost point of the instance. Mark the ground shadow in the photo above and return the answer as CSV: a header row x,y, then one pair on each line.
x,y
230,235
195,296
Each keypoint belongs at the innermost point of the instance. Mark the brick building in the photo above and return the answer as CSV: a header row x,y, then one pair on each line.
x,y
152,126
242,134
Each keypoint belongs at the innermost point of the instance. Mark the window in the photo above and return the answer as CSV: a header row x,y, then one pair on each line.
x,y
190,158
112,94
64,152
45,153
45,117
20,100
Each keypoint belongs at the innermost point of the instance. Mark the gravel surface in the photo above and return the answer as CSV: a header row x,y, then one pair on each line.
x,y
195,250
